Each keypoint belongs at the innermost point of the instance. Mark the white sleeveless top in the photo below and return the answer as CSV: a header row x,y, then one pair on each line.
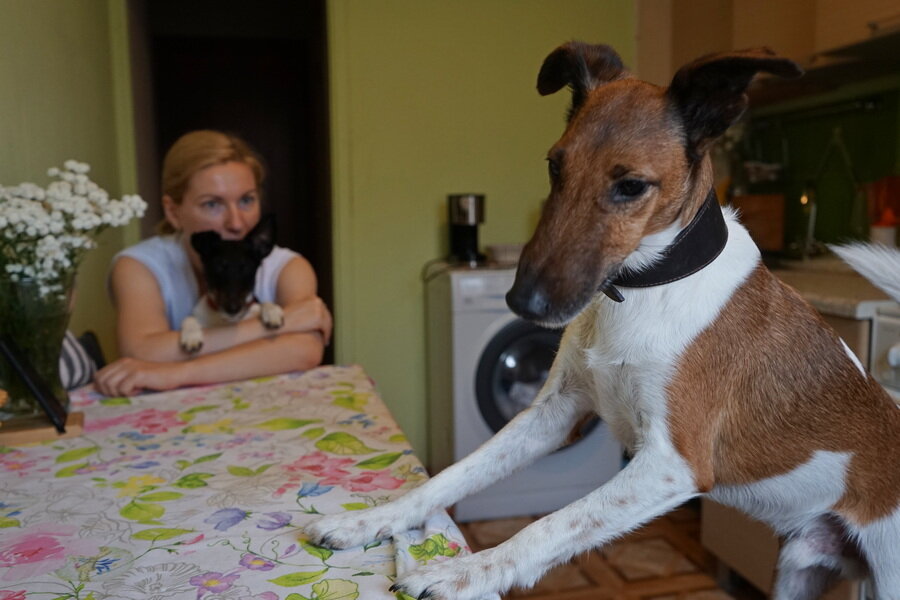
x,y
168,261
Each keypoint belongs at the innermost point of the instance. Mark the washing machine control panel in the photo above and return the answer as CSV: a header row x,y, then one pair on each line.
x,y
483,289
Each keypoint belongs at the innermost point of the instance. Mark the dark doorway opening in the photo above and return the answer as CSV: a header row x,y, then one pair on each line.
x,y
260,71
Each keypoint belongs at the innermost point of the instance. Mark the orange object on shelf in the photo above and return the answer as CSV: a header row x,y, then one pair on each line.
x,y
883,195
887,218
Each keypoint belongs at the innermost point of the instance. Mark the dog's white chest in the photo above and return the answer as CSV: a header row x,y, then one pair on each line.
x,y
629,363
631,350
210,317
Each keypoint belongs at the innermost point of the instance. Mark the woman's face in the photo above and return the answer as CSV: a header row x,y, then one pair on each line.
x,y
221,198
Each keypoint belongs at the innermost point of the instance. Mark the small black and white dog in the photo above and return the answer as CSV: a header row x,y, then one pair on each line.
x,y
229,267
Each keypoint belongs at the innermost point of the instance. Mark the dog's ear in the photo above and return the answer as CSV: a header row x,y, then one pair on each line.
x,y
709,93
204,242
580,66
262,237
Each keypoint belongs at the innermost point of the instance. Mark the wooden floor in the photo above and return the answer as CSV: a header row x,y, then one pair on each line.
x,y
663,560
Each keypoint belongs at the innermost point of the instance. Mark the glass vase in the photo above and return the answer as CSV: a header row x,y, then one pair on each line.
x,y
36,323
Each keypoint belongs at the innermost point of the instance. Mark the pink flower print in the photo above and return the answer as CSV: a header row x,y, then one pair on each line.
x,y
329,470
39,550
372,480
11,595
101,424
213,582
148,421
13,462
156,421
199,538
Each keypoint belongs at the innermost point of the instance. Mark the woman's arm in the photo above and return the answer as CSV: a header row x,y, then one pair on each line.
x,y
286,352
154,360
144,332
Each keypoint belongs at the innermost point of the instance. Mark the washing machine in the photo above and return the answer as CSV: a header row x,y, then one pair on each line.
x,y
484,366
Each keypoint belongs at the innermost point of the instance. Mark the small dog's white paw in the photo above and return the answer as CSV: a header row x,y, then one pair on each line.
x,y
191,339
358,527
463,578
271,315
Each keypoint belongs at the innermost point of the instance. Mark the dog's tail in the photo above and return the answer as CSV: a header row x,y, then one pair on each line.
x,y
878,263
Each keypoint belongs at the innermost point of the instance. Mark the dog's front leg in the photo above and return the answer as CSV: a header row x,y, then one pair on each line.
x,y
534,432
191,337
271,315
652,484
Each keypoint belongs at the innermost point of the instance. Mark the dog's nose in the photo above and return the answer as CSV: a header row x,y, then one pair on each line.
x,y
528,303
233,308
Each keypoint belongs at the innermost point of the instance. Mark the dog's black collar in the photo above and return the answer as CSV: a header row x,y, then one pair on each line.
x,y
693,248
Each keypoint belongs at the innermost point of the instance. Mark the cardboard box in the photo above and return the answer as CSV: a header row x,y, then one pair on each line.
x,y
750,548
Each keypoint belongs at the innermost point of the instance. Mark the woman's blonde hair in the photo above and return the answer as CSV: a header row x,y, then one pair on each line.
x,y
196,151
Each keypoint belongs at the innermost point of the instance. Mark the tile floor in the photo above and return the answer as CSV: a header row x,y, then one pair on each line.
x,y
664,560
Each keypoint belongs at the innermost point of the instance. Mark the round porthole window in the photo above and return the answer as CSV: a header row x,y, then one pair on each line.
x,y
512,370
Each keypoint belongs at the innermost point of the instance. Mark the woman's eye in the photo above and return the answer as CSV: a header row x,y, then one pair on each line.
x,y
248,200
210,205
628,189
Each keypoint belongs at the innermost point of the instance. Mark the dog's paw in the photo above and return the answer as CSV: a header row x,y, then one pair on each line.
x,y
272,316
191,339
464,578
354,528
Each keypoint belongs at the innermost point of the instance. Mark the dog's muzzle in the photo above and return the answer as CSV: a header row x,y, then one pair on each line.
x,y
530,304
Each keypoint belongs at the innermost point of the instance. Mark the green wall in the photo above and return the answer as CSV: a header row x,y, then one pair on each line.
x,y
63,72
430,98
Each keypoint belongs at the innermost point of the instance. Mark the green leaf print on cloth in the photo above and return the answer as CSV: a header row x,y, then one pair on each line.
x,y
436,545
343,444
203,493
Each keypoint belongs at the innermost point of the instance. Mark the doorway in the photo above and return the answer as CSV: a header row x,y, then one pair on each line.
x,y
257,70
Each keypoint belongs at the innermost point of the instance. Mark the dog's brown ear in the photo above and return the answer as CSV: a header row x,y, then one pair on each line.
x,y
710,92
580,66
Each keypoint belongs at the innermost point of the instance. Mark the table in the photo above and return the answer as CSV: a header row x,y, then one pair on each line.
x,y
203,492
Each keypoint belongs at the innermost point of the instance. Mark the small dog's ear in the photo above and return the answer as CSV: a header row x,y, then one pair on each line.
x,y
710,92
580,66
262,237
204,242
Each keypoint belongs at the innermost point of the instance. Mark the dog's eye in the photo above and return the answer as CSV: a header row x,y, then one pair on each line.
x,y
628,189
553,169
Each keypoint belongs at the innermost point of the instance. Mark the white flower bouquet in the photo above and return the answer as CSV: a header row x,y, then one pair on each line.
x,y
44,233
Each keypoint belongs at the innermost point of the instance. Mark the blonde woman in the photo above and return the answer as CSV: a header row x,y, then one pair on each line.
x,y
210,181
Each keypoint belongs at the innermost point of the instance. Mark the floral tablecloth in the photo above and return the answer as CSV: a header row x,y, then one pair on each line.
x,y
203,492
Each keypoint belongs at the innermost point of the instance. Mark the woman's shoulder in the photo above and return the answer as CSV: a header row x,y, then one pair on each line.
x,y
270,271
153,246
281,256
158,252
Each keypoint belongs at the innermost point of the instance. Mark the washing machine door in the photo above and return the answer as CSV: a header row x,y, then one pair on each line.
x,y
513,368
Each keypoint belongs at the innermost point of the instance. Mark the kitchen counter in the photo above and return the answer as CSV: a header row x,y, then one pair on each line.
x,y
833,288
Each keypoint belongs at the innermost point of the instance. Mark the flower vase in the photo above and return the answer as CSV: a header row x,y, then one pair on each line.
x,y
35,319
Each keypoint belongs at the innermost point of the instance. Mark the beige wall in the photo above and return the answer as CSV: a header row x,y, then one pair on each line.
x,y
673,32
430,98
64,96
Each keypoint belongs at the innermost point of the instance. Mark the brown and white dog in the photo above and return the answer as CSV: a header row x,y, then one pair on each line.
x,y
720,380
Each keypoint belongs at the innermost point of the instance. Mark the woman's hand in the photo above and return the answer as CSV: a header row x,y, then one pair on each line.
x,y
129,376
308,315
